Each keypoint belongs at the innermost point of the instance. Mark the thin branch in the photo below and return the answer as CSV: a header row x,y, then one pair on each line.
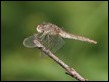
x,y
70,71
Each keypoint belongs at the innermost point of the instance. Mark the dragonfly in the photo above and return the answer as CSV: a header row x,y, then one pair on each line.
x,y
52,37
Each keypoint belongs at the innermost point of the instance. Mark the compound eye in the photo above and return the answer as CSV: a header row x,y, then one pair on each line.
x,y
40,28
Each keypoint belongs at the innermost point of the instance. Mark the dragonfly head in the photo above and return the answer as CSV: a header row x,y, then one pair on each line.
x,y
43,27
40,28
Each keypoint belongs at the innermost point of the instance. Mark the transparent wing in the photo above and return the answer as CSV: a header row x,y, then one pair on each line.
x,y
57,43
53,43
28,42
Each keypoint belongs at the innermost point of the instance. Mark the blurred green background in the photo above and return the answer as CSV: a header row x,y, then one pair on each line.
x,y
19,20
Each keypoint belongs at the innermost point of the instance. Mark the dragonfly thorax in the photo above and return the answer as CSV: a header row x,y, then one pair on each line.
x,y
48,28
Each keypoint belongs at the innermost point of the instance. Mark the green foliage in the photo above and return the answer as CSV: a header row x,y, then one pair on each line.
x,y
19,20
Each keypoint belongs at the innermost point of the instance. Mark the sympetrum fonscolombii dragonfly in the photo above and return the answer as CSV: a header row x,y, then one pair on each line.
x,y
51,36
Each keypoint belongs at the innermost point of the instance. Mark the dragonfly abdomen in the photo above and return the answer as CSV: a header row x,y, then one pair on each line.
x,y
76,37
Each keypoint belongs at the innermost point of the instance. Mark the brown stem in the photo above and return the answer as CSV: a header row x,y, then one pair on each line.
x,y
70,71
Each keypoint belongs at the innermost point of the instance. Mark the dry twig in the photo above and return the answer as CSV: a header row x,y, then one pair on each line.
x,y
70,71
